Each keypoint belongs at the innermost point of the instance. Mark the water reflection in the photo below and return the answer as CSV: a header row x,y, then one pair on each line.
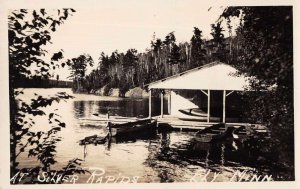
x,y
159,156
124,107
171,154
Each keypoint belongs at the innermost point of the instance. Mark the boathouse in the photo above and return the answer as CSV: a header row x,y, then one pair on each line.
x,y
214,78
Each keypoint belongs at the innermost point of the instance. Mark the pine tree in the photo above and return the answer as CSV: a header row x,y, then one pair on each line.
x,y
198,53
218,47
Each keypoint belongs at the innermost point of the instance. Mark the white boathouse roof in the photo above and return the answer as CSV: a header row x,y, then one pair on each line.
x,y
213,76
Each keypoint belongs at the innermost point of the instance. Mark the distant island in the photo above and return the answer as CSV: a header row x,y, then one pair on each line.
x,y
38,82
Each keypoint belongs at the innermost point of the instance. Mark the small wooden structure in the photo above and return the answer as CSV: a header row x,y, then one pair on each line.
x,y
214,76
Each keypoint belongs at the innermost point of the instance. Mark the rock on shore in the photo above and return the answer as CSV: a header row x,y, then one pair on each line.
x,y
137,92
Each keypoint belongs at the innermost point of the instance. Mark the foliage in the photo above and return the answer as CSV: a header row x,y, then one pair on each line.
x,y
27,38
78,67
29,32
266,55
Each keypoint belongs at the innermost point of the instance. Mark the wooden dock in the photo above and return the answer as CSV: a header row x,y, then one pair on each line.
x,y
176,123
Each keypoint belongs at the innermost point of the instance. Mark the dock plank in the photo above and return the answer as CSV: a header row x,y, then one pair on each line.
x,y
181,124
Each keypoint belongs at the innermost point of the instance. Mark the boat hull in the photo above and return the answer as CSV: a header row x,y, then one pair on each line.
x,y
143,127
193,112
191,115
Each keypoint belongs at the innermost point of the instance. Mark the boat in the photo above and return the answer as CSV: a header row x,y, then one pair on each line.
x,y
193,112
100,120
186,117
131,123
243,133
141,129
131,129
213,133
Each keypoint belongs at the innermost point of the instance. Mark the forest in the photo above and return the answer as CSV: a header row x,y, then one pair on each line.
x,y
165,58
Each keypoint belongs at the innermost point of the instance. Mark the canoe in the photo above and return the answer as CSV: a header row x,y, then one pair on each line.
x,y
193,112
242,133
213,133
186,117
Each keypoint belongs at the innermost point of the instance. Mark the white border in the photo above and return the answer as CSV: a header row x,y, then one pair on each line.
x,y
77,4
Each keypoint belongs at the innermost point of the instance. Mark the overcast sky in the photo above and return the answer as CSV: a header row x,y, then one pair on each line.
x,y
119,25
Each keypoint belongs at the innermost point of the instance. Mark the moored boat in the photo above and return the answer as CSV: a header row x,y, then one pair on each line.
x,y
194,112
139,127
186,117
124,132
131,123
214,133
99,120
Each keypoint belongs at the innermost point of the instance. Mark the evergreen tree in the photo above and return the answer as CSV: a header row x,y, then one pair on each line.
x,y
219,47
198,53
78,68
169,42
174,57
130,64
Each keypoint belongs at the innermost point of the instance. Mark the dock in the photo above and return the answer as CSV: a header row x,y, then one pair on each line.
x,y
178,124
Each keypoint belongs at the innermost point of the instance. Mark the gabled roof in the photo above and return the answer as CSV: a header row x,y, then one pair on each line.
x,y
213,76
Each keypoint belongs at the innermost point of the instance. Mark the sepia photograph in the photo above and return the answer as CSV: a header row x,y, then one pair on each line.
x,y
128,92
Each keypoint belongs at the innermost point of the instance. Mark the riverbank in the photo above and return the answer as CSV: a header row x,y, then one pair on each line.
x,y
136,92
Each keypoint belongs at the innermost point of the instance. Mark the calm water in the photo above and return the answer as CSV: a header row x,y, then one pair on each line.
x,y
163,157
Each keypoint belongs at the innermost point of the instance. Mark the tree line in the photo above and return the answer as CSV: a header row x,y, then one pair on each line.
x,y
164,58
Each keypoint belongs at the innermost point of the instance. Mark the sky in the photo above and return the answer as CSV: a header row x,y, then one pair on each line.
x,y
120,25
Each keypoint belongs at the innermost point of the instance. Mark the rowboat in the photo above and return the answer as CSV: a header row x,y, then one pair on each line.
x,y
214,133
99,120
131,129
131,123
243,133
142,129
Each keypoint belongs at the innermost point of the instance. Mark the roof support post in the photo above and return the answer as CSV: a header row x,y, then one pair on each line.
x,y
169,102
150,103
224,106
208,105
161,103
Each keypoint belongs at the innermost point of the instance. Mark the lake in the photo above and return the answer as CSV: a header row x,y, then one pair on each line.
x,y
163,157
